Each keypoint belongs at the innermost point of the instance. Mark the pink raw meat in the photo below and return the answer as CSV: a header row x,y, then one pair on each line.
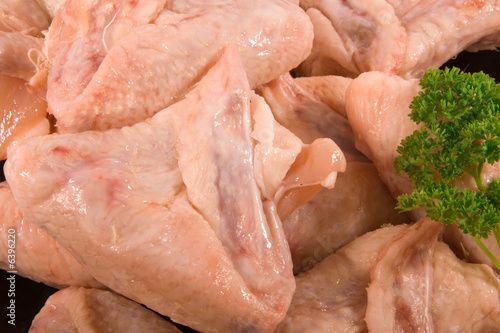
x,y
178,212
117,63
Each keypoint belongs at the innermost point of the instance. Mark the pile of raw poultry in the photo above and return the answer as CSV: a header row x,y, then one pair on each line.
x,y
228,165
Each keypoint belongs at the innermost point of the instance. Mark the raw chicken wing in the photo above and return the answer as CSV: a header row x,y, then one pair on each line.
x,y
312,108
352,37
331,297
114,64
27,16
23,114
377,107
169,212
418,284
82,310
394,36
401,282
38,256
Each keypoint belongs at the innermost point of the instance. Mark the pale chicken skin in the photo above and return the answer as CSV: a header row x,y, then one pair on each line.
x,y
395,279
329,89
331,297
19,54
377,106
22,114
419,285
396,37
457,285
358,203
51,6
117,65
37,255
181,201
87,310
352,37
439,30
30,17
312,108
401,282
204,211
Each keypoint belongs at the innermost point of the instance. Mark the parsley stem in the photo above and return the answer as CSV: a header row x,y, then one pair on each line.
x,y
496,232
487,252
477,176
475,171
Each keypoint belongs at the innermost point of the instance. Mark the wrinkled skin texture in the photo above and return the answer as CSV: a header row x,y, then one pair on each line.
x,y
38,256
457,285
331,297
395,279
27,16
312,108
117,65
439,30
401,282
419,285
76,310
396,37
179,201
352,37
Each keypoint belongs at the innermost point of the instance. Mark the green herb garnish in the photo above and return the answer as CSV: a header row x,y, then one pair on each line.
x,y
459,113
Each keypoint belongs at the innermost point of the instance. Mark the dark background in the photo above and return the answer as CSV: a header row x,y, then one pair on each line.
x,y
486,61
31,296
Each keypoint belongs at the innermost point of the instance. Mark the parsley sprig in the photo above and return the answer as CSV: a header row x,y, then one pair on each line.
x,y
460,132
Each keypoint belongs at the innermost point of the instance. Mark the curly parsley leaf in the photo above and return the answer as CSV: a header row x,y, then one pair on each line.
x,y
460,132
